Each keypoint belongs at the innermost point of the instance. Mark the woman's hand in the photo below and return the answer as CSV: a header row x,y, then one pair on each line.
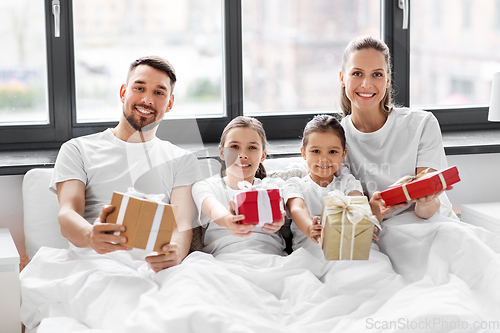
x,y
427,206
379,209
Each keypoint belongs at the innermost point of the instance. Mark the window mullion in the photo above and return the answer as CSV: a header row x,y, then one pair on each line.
x,y
60,69
233,58
398,40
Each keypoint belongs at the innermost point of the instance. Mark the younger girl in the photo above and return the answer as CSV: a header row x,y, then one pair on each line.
x,y
243,149
323,148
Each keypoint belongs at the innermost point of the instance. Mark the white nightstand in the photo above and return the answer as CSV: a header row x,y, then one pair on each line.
x,y
486,215
10,300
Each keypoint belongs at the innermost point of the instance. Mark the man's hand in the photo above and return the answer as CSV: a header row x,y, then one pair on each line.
x,y
101,236
165,260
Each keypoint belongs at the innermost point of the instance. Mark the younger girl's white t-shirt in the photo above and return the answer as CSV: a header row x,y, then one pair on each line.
x,y
313,195
217,239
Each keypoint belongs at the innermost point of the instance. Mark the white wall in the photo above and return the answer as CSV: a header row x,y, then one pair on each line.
x,y
11,208
479,174
480,179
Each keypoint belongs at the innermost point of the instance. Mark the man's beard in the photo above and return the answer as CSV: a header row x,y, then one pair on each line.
x,y
142,125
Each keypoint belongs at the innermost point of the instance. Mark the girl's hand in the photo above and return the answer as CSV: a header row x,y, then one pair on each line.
x,y
315,230
379,209
375,237
276,225
231,222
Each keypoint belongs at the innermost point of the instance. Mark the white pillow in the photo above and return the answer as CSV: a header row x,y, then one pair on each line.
x,y
40,206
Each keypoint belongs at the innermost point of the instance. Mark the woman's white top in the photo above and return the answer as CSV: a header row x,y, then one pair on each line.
x,y
409,139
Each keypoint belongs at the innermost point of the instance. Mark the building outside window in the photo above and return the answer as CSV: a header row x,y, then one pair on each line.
x,y
274,59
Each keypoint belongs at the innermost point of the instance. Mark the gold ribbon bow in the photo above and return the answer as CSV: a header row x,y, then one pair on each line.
x,y
355,213
407,179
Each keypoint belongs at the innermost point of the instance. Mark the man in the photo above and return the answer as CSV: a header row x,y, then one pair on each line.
x,y
88,169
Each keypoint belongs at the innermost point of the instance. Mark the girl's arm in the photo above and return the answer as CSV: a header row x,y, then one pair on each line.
x,y
226,218
300,215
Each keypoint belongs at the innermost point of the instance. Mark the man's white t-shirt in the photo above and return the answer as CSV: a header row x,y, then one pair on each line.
x,y
313,195
217,239
105,164
409,139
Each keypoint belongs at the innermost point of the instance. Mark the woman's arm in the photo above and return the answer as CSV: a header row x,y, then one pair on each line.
x,y
426,207
300,215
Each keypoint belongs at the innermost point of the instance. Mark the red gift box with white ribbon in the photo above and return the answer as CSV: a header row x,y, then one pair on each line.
x,y
259,205
425,183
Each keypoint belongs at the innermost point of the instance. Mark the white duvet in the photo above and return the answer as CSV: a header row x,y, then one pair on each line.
x,y
442,276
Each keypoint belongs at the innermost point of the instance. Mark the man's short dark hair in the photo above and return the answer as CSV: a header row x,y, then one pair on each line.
x,y
156,62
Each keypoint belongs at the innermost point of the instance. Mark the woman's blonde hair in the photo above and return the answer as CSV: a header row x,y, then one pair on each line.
x,y
363,43
248,122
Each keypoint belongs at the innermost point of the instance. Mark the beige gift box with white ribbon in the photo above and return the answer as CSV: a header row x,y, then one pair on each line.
x,y
347,227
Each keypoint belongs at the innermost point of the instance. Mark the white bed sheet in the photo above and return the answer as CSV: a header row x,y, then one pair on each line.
x,y
442,273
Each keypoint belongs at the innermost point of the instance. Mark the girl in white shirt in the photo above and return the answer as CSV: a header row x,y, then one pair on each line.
x,y
243,149
384,143
323,149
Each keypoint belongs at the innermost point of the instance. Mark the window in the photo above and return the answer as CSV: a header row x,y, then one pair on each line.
x,y
292,51
452,66
277,60
117,32
23,65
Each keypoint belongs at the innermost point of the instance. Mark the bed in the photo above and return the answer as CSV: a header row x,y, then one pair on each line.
x,y
439,275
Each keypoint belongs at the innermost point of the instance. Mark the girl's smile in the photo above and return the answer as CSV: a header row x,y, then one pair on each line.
x,y
323,154
242,153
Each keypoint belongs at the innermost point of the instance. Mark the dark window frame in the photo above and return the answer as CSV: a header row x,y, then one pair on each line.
x,y
62,101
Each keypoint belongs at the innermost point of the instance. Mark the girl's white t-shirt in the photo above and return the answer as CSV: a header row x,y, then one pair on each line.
x,y
408,139
313,195
217,239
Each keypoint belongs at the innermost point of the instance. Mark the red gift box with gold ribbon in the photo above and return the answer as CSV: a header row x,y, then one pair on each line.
x,y
425,183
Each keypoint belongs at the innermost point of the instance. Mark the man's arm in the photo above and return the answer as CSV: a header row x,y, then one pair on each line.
x,y
71,196
183,234
178,249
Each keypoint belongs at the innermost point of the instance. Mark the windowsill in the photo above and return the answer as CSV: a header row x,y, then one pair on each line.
x,y
455,143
